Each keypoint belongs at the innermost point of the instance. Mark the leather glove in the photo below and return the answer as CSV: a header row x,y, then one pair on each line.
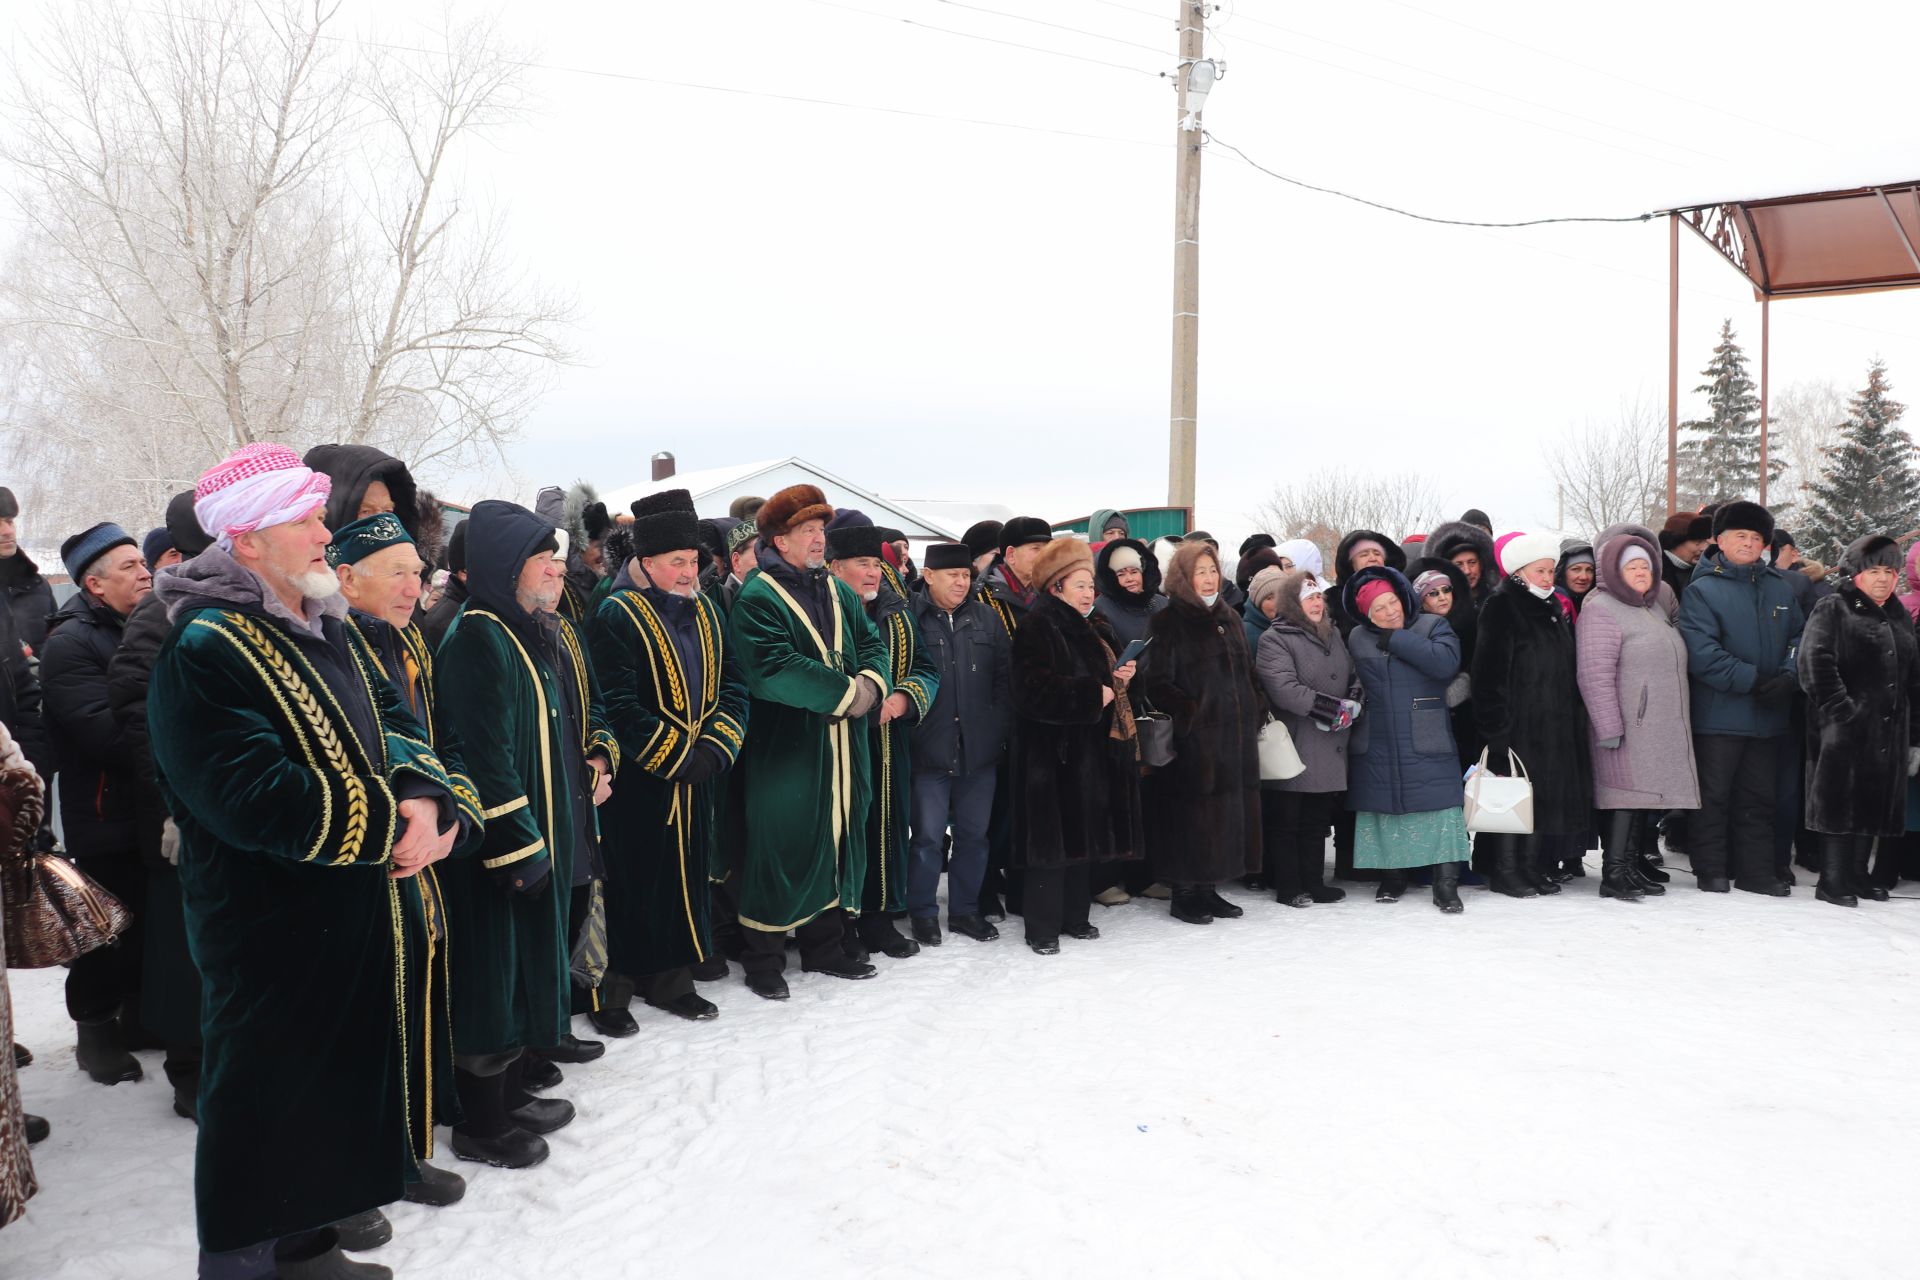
x,y
170,842
1611,744
1913,761
1776,689
702,763
866,696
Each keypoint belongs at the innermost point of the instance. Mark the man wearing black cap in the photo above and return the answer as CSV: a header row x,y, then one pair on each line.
x,y
26,595
99,787
957,746
1741,625
1003,588
856,556
678,706
982,540
169,980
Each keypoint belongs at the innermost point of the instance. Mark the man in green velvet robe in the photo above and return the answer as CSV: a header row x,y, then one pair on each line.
x,y
815,667
855,557
515,692
304,793
679,708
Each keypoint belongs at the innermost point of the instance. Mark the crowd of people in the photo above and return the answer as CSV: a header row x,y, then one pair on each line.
x,y
392,809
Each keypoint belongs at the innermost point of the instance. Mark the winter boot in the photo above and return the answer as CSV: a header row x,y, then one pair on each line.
x,y
1638,836
322,1260
1531,868
851,943
102,1054
1219,906
1616,856
1507,875
1310,854
926,930
535,1115
363,1231
1865,885
1393,885
879,933
1446,888
437,1188
1190,906
1836,872
35,1127
22,1056
486,1134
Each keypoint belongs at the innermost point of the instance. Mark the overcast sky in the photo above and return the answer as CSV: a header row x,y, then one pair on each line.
x,y
934,308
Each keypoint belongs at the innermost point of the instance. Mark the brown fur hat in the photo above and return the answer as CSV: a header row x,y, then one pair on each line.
x,y
1179,576
794,505
1060,558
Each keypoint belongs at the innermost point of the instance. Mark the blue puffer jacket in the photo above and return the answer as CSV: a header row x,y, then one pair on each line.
x,y
1402,758
1742,625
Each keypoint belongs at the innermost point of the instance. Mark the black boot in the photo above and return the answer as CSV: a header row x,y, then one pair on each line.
x,y
535,1115
1531,869
437,1188
573,1049
1189,905
22,1056
1616,856
1508,877
322,1260
486,1134
1446,888
1219,906
879,933
102,1054
1864,884
36,1127
975,927
1393,884
364,1231
1836,872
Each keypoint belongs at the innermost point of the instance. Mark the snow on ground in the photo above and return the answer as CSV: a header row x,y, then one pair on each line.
x,y
1697,1086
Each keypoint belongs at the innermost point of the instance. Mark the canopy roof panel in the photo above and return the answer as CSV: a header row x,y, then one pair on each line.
x,y
1823,243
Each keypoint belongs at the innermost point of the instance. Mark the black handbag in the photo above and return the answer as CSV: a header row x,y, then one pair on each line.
x,y
1155,732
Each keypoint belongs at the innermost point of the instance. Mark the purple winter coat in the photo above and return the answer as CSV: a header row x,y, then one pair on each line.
x,y
1632,664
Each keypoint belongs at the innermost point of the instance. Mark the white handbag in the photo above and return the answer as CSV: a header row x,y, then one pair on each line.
x,y
1500,805
1278,758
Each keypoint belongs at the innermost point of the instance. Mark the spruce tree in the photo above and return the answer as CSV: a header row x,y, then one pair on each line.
x,y
1869,483
1720,454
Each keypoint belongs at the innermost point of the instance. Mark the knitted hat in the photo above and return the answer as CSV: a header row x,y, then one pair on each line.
x,y
1060,558
363,538
849,517
1634,552
982,537
794,505
1310,585
665,521
1431,580
948,555
1123,557
1252,562
457,549
80,551
1265,585
1523,549
9,505
184,533
1024,531
1749,516
1478,518
1371,592
1255,541
1576,551
155,545
740,535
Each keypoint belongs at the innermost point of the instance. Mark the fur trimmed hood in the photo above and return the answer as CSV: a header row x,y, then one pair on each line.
x,y
1179,580
1450,539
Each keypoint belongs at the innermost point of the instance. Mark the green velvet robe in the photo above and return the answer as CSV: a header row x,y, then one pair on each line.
x,y
658,835
911,671
315,1095
499,703
430,1022
805,769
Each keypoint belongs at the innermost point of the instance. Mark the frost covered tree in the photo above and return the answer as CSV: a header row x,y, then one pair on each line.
x,y
1606,472
1869,483
239,224
1323,506
1720,454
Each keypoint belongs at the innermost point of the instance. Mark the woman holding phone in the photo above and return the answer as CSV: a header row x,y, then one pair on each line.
x,y
1203,809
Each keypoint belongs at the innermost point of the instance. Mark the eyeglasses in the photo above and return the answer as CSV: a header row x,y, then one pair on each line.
x,y
1439,591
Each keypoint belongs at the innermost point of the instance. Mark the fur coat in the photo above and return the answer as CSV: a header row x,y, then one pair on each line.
x,y
1860,668
1526,696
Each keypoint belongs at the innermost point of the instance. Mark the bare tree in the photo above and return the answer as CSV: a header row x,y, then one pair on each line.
x,y
1607,472
1324,506
1803,422
240,227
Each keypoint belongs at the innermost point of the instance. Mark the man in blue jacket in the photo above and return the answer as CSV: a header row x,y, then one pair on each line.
x,y
1742,626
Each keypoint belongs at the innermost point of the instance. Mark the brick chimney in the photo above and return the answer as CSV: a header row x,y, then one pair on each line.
x,y
662,465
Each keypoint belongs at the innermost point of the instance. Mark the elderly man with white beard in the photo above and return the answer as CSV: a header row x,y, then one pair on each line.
x,y
855,556
679,709
302,791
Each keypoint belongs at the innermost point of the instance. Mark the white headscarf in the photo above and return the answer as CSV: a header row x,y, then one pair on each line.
x,y
1302,554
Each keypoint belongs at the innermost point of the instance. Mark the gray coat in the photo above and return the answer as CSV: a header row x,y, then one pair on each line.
x,y
1305,670
1633,677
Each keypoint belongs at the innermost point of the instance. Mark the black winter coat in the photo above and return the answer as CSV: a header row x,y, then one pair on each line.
x,y
99,784
1526,696
1127,612
1203,809
966,727
1076,788
127,675
28,597
20,699
439,619
1860,667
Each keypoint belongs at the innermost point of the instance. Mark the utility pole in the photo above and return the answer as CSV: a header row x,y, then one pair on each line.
x,y
1183,429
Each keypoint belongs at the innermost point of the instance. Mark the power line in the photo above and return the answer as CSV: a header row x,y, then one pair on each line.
x,y
969,35
1419,217
1021,17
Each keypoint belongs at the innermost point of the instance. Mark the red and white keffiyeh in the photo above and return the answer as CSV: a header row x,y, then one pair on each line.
x,y
260,486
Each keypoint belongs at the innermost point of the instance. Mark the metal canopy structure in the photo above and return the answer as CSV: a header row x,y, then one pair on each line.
x,y
1825,243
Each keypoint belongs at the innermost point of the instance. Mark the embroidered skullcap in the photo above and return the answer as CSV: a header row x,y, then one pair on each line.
x,y
363,538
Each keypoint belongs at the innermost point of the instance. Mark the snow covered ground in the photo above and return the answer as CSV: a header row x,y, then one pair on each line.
x,y
1698,1086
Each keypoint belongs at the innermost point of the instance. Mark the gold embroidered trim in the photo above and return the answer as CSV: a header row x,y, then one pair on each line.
x,y
502,810
507,859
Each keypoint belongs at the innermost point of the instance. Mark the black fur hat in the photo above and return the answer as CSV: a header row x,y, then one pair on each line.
x,y
665,521
851,541
1750,516
1875,551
